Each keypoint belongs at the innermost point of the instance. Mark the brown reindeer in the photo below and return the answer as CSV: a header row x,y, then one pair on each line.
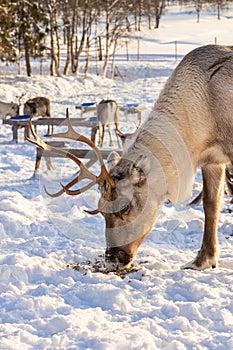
x,y
190,126
39,107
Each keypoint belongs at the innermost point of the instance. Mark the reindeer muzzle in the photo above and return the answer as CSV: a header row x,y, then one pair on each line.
x,y
118,258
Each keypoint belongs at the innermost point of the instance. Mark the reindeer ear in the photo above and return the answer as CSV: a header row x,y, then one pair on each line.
x,y
113,159
138,171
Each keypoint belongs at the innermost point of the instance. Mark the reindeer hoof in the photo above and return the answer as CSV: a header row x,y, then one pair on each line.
x,y
198,264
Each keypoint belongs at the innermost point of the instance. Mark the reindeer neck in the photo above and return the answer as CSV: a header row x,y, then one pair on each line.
x,y
166,154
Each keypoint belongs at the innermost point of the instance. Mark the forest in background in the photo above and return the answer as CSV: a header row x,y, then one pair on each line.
x,y
79,28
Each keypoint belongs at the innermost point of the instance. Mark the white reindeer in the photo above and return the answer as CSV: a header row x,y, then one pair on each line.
x,y
108,114
8,109
190,126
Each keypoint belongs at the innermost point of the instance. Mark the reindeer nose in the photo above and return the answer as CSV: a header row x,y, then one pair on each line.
x,y
117,256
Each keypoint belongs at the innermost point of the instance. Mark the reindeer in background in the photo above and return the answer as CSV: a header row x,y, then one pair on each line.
x,y
39,106
10,109
108,114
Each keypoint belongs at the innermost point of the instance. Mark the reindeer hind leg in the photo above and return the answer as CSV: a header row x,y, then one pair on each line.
x,y
110,134
101,134
117,135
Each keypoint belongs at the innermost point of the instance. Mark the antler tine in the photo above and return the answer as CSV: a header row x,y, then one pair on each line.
x,y
66,188
70,192
84,172
100,208
74,135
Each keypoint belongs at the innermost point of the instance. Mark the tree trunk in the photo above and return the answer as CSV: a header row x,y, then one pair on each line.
x,y
87,56
219,9
68,51
160,5
74,38
54,63
100,49
83,38
113,59
149,14
107,27
140,14
27,57
52,53
58,53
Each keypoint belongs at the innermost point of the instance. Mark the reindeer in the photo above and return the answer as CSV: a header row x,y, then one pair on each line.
x,y
39,106
108,113
8,109
190,126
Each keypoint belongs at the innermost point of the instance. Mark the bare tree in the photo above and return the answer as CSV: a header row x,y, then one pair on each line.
x,y
149,12
107,38
198,5
114,28
70,29
140,13
67,36
54,37
220,4
83,26
159,8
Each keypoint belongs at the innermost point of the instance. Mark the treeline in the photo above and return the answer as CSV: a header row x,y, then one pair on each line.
x,y
32,29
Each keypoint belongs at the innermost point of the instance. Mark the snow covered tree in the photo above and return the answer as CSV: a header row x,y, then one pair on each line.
x,y
23,26
32,24
8,47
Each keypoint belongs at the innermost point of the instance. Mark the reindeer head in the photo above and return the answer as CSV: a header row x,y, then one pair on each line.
x,y
127,200
130,212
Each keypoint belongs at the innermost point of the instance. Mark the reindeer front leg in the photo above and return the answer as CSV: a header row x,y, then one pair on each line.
x,y
213,181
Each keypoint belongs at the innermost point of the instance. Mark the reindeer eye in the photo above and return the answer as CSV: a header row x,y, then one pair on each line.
x,y
124,208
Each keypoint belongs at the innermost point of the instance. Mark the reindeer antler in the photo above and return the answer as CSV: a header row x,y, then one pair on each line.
x,y
84,172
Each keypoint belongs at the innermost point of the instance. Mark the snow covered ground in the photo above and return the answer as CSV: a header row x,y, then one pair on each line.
x,y
46,305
